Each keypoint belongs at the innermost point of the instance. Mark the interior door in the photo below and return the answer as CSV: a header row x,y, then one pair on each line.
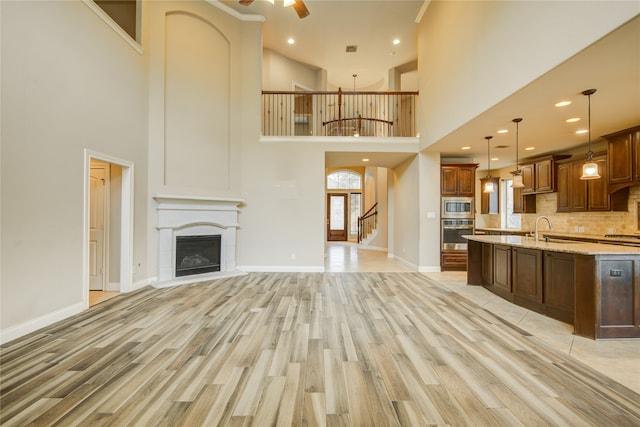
x,y
97,200
337,217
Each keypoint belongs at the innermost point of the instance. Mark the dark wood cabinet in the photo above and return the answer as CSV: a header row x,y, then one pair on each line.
x,y
539,175
453,260
458,180
598,294
528,178
490,202
523,203
544,176
577,195
502,270
527,278
559,286
598,198
564,174
624,159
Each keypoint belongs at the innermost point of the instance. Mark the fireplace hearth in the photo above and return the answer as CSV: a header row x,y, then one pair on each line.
x,y
197,254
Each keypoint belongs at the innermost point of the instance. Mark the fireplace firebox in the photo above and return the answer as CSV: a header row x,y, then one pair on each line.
x,y
197,254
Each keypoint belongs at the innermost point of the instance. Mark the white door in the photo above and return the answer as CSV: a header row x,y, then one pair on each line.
x,y
97,208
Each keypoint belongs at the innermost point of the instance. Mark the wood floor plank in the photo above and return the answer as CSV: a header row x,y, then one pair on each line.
x,y
343,349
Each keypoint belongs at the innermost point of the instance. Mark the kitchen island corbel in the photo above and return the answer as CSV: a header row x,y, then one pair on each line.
x,y
595,287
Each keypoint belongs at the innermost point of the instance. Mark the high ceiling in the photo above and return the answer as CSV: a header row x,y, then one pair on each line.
x,y
322,37
611,65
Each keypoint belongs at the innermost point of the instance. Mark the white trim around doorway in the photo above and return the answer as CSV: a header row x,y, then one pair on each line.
x,y
126,219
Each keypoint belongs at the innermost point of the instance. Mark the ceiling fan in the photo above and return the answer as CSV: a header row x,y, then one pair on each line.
x,y
298,5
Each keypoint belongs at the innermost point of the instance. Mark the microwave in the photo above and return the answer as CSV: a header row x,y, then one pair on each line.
x,y
457,207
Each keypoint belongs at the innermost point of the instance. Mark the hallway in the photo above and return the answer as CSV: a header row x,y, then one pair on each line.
x,y
348,257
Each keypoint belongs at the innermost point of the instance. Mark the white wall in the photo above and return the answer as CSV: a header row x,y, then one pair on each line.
x,y
69,83
280,73
473,54
406,217
429,212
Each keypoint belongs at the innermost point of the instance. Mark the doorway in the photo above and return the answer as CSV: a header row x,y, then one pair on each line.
x,y
108,216
337,217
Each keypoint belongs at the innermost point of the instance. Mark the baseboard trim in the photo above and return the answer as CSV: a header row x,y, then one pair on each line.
x,y
404,261
280,269
13,332
142,283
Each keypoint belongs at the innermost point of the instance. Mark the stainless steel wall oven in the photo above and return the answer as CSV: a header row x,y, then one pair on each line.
x,y
452,232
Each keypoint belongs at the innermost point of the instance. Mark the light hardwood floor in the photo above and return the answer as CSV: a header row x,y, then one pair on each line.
x,y
357,349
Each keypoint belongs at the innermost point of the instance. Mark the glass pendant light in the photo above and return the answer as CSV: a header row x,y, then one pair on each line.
x,y
488,185
517,174
590,168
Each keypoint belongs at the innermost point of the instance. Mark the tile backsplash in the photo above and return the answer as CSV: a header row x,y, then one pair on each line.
x,y
596,223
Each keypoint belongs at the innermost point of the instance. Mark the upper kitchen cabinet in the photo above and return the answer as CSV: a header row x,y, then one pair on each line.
x,y
539,175
458,179
624,159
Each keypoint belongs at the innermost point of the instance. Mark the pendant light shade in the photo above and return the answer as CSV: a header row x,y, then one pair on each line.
x,y
517,174
488,185
590,168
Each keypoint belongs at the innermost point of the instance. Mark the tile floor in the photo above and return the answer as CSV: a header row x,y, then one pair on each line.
x,y
618,359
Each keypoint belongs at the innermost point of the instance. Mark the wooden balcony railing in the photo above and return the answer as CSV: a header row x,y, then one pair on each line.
x,y
367,222
303,113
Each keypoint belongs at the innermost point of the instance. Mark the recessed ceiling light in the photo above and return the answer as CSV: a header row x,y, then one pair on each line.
x,y
465,148
365,160
291,40
503,131
396,41
581,131
573,119
563,103
493,159
530,148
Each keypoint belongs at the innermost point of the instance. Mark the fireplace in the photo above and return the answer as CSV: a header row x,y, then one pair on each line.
x,y
197,254
187,222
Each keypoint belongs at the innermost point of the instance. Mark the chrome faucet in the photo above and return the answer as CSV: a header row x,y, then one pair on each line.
x,y
538,220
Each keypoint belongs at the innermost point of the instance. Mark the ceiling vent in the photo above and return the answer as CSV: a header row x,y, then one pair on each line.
x,y
351,48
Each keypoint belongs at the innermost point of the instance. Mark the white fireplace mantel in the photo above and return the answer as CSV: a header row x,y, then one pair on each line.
x,y
180,215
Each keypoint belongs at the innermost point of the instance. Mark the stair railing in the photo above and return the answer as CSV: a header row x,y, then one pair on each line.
x,y
367,222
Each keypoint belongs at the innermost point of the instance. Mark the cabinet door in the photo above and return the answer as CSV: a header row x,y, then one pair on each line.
x,y
598,198
559,285
502,267
466,181
620,158
564,179
544,176
577,189
449,181
527,278
528,178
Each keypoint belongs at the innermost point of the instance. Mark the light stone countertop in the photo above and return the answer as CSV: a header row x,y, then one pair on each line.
x,y
567,246
504,230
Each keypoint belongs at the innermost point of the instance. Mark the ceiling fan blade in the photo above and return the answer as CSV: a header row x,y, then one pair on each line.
x,y
246,2
301,9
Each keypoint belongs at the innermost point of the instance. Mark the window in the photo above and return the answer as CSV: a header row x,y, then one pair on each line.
x,y
507,218
344,180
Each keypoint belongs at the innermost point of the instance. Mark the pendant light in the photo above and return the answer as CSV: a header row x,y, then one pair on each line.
x,y
488,185
590,168
517,174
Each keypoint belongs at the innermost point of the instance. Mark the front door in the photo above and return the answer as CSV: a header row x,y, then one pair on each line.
x,y
337,217
97,200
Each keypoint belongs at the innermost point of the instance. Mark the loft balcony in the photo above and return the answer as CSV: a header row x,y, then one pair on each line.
x,y
340,114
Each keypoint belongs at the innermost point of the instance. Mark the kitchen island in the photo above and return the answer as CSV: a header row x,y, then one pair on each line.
x,y
593,286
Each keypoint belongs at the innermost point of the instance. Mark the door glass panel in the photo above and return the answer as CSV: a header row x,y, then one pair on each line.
x,y
336,222
354,213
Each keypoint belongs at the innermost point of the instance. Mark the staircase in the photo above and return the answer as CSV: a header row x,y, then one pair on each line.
x,y
367,226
